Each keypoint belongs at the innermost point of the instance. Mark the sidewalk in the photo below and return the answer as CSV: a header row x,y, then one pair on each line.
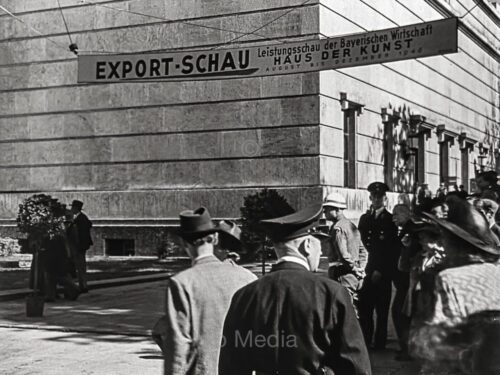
x,y
11,294
104,321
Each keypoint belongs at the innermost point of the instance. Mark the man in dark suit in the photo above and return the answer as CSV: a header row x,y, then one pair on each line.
x,y
197,300
80,241
380,237
292,321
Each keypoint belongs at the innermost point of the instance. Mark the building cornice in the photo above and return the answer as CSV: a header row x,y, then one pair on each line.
x,y
447,13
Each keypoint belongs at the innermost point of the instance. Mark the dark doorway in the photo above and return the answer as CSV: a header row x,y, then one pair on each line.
x,y
119,247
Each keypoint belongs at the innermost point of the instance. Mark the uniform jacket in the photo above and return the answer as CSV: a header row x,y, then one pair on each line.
x,y
81,228
196,304
292,321
380,237
347,245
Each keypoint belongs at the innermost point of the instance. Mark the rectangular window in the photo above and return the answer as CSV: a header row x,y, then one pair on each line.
x,y
389,154
119,247
350,152
465,168
420,172
444,162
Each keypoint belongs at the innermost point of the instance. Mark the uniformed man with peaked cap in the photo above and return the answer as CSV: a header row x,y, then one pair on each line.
x,y
292,321
380,237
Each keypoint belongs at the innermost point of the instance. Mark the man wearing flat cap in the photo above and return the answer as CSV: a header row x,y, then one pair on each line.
x,y
292,321
197,300
380,237
80,241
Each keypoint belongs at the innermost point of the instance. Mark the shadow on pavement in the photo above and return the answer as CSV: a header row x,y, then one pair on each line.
x,y
124,314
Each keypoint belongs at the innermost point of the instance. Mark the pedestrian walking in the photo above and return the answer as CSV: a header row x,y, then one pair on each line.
x,y
197,300
380,238
79,241
291,321
348,256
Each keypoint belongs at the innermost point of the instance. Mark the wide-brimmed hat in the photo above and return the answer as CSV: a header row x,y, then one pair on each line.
x,y
335,200
195,223
295,225
467,223
229,235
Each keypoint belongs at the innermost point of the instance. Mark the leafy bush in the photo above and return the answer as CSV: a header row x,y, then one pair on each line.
x,y
166,245
9,246
265,204
41,216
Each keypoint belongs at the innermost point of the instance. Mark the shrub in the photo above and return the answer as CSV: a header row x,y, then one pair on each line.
x,y
265,204
41,216
9,246
166,245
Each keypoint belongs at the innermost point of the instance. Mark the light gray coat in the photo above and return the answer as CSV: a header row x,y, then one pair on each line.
x,y
196,306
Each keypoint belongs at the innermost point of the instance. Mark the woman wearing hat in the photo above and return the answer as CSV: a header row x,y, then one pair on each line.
x,y
468,283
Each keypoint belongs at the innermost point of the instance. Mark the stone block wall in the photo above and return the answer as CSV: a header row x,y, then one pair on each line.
x,y
138,153
460,91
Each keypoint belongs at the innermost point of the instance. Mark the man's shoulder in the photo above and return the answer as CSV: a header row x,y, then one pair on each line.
x,y
233,268
226,270
290,279
385,214
82,217
365,215
345,224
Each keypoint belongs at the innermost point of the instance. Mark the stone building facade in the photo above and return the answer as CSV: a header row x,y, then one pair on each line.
x,y
138,153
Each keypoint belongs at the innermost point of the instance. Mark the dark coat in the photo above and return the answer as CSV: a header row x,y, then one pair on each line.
x,y
83,240
380,237
292,321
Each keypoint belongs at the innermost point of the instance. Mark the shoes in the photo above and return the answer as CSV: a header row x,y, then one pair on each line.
x,y
84,290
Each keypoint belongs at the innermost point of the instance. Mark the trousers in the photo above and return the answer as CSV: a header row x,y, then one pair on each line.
x,y
375,297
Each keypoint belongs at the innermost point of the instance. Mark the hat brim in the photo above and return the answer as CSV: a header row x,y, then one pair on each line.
x,y
463,234
309,230
232,242
334,205
190,234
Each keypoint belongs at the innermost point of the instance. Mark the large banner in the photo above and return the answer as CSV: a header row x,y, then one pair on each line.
x,y
399,43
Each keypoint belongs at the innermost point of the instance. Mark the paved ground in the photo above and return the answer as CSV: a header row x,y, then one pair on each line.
x,y
15,270
105,332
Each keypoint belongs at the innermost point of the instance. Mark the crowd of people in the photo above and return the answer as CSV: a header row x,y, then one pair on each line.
x,y
62,258
439,267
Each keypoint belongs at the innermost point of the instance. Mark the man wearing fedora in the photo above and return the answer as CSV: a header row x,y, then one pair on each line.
x,y
380,238
292,321
80,241
348,256
197,300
